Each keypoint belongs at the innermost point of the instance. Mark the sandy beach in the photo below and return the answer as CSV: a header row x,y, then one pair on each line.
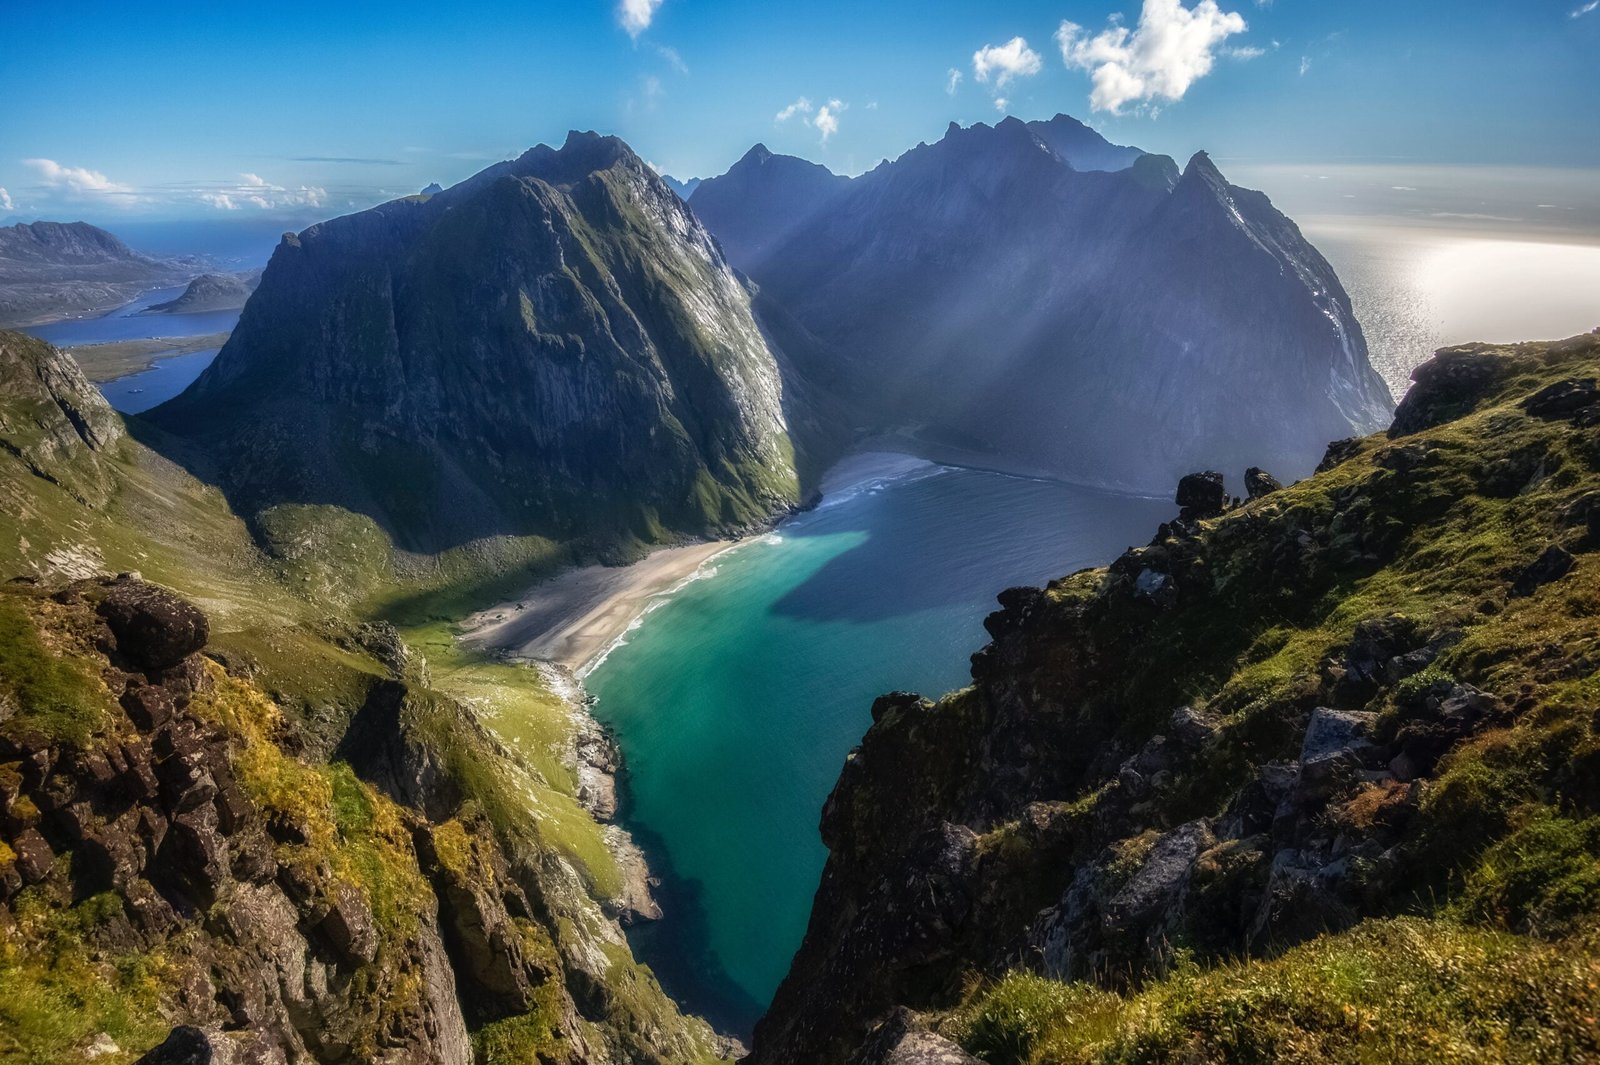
x,y
574,617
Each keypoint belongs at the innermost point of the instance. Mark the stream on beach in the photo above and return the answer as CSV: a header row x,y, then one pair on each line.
x,y
736,698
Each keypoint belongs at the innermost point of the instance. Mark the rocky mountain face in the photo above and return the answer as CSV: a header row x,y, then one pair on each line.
x,y
211,292
1356,713
684,189
555,346
1081,147
761,200
54,422
50,269
1033,292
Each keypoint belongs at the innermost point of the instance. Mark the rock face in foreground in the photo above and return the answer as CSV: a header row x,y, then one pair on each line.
x,y
166,863
553,347
1034,292
1367,694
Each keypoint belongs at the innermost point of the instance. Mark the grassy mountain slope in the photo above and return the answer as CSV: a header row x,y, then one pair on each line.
x,y
1347,730
326,717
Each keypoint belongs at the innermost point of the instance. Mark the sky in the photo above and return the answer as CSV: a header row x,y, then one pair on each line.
x,y
134,111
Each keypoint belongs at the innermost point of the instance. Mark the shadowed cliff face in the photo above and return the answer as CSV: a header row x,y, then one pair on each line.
x,y
554,346
1365,694
1115,321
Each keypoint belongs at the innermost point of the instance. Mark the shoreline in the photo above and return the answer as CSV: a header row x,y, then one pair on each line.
x,y
112,360
576,617
573,620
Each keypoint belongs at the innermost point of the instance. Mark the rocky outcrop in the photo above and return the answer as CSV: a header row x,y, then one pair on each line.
x,y
554,347
1331,758
294,911
160,805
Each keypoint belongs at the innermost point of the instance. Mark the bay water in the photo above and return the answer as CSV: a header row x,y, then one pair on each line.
x,y
737,698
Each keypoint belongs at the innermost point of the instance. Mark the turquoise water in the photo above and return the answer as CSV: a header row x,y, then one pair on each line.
x,y
736,699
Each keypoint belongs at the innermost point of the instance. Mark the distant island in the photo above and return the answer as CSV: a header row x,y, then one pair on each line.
x,y
211,292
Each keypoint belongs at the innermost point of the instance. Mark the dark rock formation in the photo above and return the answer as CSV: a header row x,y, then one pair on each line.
x,y
1201,495
1258,482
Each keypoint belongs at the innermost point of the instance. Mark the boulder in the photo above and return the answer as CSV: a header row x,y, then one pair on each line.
x,y
154,628
1563,399
1202,495
34,856
901,1040
1550,566
187,1045
347,927
1258,482
1446,387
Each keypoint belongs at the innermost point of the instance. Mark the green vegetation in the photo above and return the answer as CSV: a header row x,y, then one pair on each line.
x,y
57,992
1397,991
46,688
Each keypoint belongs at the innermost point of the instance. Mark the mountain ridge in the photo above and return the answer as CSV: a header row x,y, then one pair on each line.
x,y
607,374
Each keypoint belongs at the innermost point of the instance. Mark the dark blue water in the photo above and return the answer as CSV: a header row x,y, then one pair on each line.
x,y
168,376
141,391
125,323
737,698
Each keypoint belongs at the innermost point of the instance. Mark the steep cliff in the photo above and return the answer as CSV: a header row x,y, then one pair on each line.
x,y
1356,713
1117,321
553,347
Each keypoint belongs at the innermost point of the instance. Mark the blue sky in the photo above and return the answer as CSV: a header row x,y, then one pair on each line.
x,y
290,109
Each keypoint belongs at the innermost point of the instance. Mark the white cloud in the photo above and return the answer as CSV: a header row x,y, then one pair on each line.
x,y
636,15
1244,52
253,190
1583,9
827,120
674,60
1305,65
952,79
1005,62
801,106
1001,103
77,180
1170,49
5,201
